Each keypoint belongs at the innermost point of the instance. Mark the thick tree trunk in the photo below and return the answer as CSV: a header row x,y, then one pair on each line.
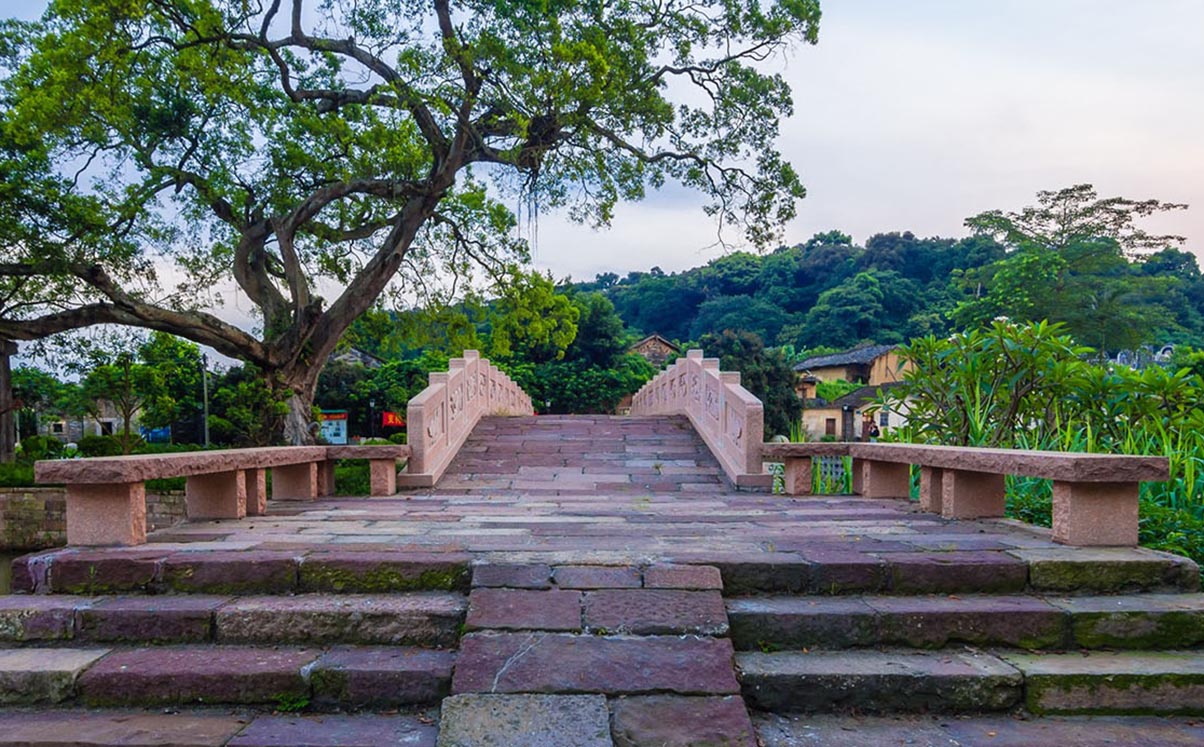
x,y
297,389
8,432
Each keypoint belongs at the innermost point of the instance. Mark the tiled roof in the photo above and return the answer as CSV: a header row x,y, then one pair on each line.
x,y
861,355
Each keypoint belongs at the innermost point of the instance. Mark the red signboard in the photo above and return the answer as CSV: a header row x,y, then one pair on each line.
x,y
334,415
390,419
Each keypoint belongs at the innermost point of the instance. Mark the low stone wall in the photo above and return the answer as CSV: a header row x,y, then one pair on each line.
x,y
35,518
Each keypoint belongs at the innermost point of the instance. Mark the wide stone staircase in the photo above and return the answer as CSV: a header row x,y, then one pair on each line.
x,y
853,629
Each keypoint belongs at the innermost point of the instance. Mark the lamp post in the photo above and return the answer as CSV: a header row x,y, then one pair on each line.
x,y
205,395
371,417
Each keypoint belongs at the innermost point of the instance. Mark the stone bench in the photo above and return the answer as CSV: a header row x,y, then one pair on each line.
x,y
1095,496
106,496
382,467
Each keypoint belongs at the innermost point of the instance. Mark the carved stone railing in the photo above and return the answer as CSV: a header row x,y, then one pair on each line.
x,y
726,415
440,417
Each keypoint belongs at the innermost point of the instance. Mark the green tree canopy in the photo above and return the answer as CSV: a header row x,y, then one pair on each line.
x,y
315,152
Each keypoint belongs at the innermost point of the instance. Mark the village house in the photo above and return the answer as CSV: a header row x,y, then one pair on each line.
x,y
655,349
847,418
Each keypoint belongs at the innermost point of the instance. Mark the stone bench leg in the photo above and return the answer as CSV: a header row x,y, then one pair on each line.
x,y
857,483
796,476
257,491
295,482
109,514
326,478
885,480
221,495
1095,513
931,493
383,476
971,495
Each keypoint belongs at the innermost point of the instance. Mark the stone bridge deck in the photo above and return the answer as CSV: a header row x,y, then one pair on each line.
x,y
596,582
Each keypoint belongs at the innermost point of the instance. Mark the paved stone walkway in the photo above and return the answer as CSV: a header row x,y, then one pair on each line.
x,y
602,585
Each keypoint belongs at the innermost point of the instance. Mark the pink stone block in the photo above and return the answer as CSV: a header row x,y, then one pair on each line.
x,y
107,514
256,481
931,493
383,476
221,495
1099,513
796,480
971,495
858,476
295,482
326,478
886,480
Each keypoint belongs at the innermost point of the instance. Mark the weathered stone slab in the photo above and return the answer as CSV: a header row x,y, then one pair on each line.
x,y
378,572
674,721
877,681
135,729
417,618
596,577
1161,682
512,575
843,571
232,572
700,577
976,731
1146,621
775,623
42,675
955,572
752,572
372,677
336,730
935,621
655,612
197,674
525,721
104,572
1107,570
560,663
149,619
39,618
524,609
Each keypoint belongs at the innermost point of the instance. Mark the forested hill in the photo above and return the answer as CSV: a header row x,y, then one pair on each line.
x,y
830,292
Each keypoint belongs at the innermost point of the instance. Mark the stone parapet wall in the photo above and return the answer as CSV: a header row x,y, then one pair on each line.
x,y
35,518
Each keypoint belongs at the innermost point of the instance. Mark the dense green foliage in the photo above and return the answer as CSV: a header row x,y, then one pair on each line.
x,y
1030,386
1072,258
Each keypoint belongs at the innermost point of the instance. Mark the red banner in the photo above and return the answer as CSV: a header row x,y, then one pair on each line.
x,y
390,419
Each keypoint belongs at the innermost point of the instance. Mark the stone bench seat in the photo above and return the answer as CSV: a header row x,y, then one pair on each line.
x,y
106,496
1095,496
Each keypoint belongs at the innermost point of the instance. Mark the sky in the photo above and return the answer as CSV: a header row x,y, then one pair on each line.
x,y
913,115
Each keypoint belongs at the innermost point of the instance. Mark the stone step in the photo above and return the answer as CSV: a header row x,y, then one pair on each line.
x,y
560,663
172,569
1004,730
431,619
1160,682
971,681
879,567
878,681
599,612
282,677
1145,621
208,728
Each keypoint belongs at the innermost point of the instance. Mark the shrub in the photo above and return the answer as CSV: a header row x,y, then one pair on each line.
x,y
98,446
398,438
34,448
16,475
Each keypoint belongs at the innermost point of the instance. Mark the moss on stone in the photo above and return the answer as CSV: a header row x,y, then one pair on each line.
x,y
382,579
1139,629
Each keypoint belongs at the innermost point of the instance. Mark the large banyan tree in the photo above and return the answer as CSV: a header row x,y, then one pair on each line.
x,y
315,152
